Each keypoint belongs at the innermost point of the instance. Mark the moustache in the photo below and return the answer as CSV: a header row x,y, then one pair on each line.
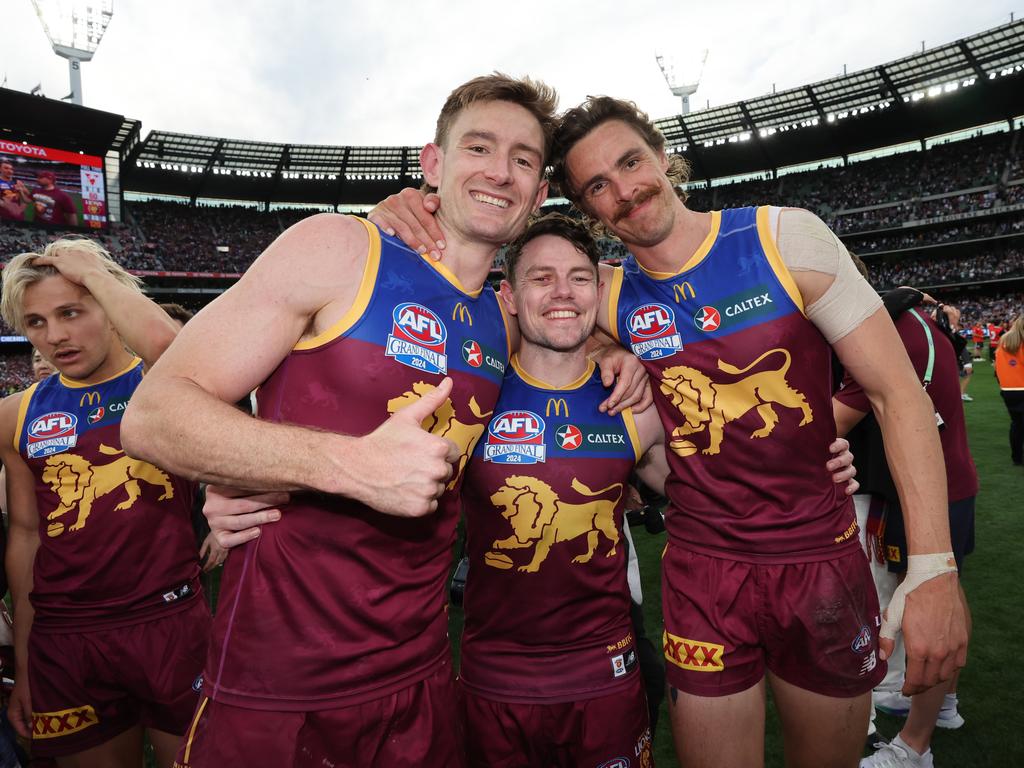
x,y
627,207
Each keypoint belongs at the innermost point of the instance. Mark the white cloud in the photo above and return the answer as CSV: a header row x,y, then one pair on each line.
x,y
376,73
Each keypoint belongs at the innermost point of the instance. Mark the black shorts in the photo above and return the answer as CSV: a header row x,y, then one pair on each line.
x,y
961,532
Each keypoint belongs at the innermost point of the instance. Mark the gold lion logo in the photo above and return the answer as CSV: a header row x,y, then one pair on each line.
x,y
78,483
444,424
709,405
540,519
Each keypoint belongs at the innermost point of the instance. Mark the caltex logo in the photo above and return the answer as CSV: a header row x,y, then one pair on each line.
x,y
708,319
472,354
569,437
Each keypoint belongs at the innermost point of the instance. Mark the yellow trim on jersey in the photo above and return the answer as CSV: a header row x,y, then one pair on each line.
x,y
507,320
698,256
72,384
614,291
448,275
771,251
634,436
192,730
535,382
362,300
26,398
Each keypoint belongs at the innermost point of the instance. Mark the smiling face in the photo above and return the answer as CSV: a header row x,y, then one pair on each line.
x,y
622,181
66,324
555,296
488,174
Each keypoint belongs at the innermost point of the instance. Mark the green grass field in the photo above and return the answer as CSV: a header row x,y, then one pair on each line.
x,y
992,684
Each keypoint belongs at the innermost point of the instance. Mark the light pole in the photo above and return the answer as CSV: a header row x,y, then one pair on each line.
x,y
74,28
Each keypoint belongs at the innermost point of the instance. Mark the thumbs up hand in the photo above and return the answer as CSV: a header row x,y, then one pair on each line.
x,y
402,469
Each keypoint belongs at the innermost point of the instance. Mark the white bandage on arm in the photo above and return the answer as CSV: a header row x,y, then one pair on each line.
x,y
808,245
920,568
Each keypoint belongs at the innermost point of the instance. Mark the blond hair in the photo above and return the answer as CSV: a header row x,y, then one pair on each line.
x,y
1011,340
21,272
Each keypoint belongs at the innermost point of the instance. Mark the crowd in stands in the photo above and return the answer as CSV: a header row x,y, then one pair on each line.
x,y
865,202
15,370
979,174
924,271
984,309
951,233
977,162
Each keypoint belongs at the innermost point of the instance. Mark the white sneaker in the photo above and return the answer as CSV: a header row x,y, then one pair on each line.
x,y
892,755
891,702
966,398
949,717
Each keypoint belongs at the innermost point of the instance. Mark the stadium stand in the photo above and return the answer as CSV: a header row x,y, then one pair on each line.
x,y
945,214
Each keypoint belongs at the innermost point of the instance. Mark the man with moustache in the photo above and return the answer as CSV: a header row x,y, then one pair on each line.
x,y
732,313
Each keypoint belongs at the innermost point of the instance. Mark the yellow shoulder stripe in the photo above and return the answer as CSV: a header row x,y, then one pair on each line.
x,y
26,398
362,300
634,436
614,291
507,321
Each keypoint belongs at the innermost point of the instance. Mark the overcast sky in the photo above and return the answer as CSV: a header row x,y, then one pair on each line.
x,y
376,72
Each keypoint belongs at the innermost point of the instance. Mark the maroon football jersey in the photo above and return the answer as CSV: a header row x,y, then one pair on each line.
x,y
337,603
116,539
742,381
547,604
53,206
944,391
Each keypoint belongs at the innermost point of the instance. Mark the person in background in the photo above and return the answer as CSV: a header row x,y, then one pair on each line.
x,y
1010,373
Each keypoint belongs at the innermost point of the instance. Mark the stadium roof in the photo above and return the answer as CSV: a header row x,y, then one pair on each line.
x,y
970,82
51,123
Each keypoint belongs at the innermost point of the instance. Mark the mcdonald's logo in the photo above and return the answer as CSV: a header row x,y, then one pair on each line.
x,y
679,291
557,405
463,313
92,398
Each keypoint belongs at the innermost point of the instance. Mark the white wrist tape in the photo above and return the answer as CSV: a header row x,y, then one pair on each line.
x,y
920,568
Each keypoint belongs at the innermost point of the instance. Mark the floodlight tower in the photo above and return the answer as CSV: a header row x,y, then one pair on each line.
x,y
685,91
74,28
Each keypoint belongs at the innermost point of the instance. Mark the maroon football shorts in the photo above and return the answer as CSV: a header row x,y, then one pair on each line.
x,y
815,624
417,726
88,687
609,730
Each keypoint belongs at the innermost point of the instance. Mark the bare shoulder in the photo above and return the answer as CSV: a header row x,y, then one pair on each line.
x,y
9,409
649,428
311,265
606,274
330,242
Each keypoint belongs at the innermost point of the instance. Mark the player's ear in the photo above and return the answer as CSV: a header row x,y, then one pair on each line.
x,y
542,195
431,161
507,296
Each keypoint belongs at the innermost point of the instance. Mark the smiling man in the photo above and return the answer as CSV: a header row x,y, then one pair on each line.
x,y
377,372
549,665
732,313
